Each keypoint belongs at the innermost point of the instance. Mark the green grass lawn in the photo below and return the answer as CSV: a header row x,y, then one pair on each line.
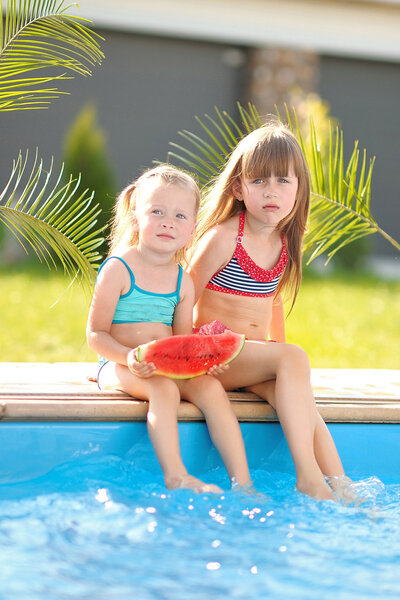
x,y
342,321
34,329
348,321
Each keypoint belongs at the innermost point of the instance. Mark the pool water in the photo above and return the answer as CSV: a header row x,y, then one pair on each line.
x,y
89,518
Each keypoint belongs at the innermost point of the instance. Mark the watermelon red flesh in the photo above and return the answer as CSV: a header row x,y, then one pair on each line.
x,y
185,356
212,328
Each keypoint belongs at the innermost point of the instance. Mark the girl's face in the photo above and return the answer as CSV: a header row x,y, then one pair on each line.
x,y
165,216
268,199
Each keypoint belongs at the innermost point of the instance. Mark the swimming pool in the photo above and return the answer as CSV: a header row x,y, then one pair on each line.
x,y
84,514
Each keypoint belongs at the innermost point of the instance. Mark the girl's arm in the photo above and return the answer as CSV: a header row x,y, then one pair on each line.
x,y
183,315
277,328
213,252
112,281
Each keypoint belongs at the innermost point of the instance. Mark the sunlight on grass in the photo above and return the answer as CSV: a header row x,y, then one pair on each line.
x,y
342,322
35,331
348,322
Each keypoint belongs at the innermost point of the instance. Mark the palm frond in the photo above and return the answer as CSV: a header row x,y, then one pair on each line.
x,y
37,35
340,194
56,219
206,157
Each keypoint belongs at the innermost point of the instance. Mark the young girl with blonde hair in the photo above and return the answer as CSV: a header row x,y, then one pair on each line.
x,y
142,294
248,252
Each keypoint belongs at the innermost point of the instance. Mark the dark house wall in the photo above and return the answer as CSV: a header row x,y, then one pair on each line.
x,y
150,87
365,96
146,90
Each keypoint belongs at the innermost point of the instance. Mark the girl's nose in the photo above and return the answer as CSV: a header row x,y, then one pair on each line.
x,y
269,188
270,193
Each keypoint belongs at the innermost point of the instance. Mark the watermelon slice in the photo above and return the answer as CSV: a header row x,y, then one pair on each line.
x,y
185,356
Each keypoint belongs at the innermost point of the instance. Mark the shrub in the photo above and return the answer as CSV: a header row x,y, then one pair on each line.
x,y
85,153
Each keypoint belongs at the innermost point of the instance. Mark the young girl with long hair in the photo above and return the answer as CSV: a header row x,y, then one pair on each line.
x,y
248,253
142,294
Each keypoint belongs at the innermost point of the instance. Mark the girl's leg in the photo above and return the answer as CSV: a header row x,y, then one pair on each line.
x,y
210,397
288,364
324,447
325,450
162,424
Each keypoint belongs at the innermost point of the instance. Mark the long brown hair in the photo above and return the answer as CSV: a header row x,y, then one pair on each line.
x,y
270,150
123,233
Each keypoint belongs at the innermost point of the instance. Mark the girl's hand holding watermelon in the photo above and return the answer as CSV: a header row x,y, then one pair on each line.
x,y
141,369
217,369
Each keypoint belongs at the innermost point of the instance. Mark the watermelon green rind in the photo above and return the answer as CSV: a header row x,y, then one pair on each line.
x,y
187,356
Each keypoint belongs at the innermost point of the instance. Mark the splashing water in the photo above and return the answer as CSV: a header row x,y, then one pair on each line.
x,y
102,528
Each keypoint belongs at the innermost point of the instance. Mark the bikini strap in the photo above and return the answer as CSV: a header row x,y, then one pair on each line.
x,y
239,238
126,265
178,285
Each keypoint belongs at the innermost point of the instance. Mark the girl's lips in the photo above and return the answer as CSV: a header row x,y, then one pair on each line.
x,y
270,207
166,236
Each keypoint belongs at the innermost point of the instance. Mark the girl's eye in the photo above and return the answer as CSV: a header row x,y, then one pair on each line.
x,y
283,180
156,211
259,180
181,216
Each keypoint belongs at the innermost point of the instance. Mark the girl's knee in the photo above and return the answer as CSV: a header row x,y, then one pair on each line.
x,y
163,389
295,356
205,384
204,389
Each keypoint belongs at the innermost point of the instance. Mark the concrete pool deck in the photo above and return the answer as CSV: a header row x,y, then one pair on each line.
x,y
62,392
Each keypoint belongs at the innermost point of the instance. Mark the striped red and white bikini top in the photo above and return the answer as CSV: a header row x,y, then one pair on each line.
x,y
241,276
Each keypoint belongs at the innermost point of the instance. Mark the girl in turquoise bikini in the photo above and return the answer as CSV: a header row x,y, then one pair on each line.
x,y
142,294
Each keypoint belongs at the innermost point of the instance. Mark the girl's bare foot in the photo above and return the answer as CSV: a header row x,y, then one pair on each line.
x,y
246,488
319,490
345,490
192,483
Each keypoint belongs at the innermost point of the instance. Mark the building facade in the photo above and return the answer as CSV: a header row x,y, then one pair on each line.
x,y
169,60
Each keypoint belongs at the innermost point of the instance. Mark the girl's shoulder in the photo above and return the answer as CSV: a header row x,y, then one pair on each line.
x,y
116,266
127,254
224,232
218,244
231,224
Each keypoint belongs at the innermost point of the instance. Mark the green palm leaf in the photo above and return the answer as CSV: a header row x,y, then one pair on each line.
x,y
340,195
55,219
37,35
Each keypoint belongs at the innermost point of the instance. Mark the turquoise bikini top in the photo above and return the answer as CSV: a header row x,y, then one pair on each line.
x,y
140,306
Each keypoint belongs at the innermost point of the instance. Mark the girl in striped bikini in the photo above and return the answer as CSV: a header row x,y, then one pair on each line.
x,y
248,252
